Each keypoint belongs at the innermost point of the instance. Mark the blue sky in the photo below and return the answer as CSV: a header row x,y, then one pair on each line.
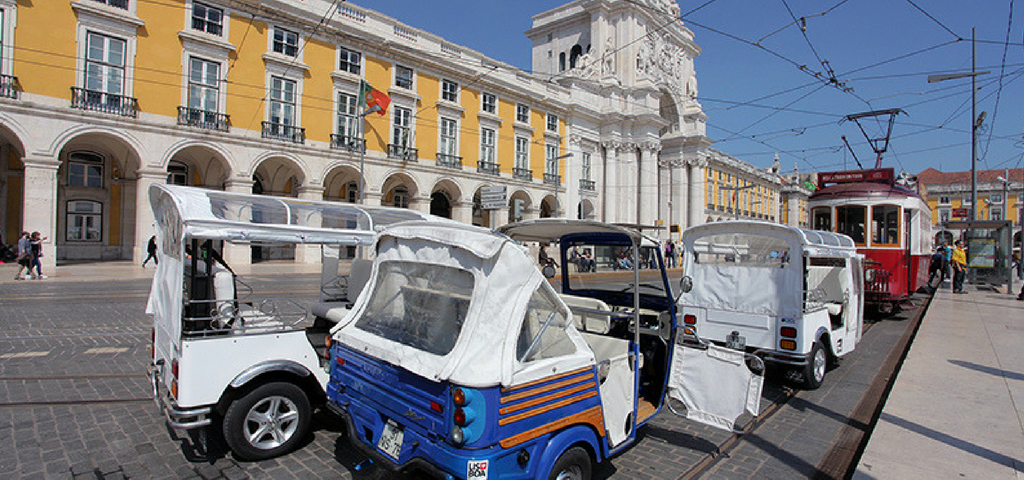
x,y
759,103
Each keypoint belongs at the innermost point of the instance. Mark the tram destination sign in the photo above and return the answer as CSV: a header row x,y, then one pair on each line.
x,y
853,176
494,198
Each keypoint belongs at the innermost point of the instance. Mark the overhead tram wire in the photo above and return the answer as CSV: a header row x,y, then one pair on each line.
x,y
777,111
951,32
999,91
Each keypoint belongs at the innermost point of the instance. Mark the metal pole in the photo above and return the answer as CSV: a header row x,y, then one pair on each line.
x,y
974,134
362,160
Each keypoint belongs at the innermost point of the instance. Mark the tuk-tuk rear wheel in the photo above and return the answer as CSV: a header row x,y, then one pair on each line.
x,y
573,464
817,363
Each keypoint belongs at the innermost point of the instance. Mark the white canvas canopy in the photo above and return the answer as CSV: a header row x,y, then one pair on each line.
x,y
766,290
552,229
503,280
189,212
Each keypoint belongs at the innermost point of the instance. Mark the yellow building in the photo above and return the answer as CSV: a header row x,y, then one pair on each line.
x,y
735,189
1000,195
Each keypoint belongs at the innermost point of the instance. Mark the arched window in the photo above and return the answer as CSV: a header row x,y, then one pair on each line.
x,y
177,173
85,170
574,54
85,221
561,62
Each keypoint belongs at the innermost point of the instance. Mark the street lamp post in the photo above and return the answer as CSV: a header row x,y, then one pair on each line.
x,y
975,121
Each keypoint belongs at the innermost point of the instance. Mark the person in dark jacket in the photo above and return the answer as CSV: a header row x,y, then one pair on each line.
x,y
151,248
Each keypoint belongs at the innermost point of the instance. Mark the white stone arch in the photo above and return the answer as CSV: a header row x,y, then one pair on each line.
x,y
213,171
336,179
548,207
76,132
529,210
17,132
276,171
450,186
586,210
395,179
301,165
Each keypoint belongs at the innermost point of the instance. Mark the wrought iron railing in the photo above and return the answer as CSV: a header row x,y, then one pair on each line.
x,y
588,185
449,161
115,3
552,178
403,152
490,168
104,102
9,86
195,117
522,173
281,131
344,142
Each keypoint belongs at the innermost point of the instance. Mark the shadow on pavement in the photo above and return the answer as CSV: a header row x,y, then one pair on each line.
x,y
950,440
989,370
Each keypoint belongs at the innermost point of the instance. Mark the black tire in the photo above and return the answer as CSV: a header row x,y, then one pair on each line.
x,y
268,421
573,464
817,364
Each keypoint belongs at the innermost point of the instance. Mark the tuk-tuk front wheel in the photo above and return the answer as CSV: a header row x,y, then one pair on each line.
x,y
268,421
573,464
817,363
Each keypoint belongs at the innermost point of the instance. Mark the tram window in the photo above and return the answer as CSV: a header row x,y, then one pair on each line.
x,y
885,225
850,221
822,218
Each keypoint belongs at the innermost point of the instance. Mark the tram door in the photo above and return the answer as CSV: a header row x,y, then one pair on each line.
x,y
908,238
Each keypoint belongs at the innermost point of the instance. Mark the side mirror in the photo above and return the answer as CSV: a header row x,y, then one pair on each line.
x,y
685,285
548,271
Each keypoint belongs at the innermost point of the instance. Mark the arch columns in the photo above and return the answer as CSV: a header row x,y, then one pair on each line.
x,y
695,193
236,255
463,212
310,253
39,205
145,222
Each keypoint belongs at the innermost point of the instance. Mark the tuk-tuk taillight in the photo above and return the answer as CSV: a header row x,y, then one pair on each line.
x,y
690,319
152,343
468,404
174,368
788,332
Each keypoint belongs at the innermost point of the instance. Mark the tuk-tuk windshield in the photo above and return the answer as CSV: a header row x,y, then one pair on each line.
x,y
419,305
610,268
741,250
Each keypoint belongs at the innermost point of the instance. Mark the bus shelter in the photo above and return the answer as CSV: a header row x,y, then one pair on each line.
x,y
989,251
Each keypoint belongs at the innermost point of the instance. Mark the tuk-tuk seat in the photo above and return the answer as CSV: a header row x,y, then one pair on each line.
x,y
359,275
589,314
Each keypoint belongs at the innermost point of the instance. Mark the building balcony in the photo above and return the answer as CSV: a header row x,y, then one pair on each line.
x,y
345,142
522,174
9,86
552,178
194,117
403,152
104,102
490,168
588,185
280,131
711,206
449,161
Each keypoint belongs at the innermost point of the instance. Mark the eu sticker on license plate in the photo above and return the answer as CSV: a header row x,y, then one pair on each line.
x,y
735,341
391,439
476,470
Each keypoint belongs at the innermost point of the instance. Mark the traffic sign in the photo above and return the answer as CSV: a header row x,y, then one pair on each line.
x,y
494,198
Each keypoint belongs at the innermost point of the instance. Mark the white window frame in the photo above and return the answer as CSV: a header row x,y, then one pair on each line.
x,y
449,91
943,199
205,20
100,162
586,166
96,18
346,116
522,152
400,115
493,103
996,198
8,22
489,145
348,53
551,124
83,236
412,77
551,159
272,39
105,64
448,136
944,215
522,110
271,101
993,210
219,107
966,200
176,168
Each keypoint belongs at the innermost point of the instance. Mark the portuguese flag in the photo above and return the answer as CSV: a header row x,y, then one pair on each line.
x,y
369,96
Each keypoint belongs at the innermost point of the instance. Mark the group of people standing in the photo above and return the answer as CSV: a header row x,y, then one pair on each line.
x,y
30,254
672,253
945,259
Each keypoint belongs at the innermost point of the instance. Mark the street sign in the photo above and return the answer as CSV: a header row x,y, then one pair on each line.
x,y
961,212
493,198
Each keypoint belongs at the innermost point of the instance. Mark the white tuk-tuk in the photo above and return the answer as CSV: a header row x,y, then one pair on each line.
x,y
251,362
791,296
462,359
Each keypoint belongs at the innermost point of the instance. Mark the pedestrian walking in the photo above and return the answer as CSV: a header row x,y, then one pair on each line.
x,y
151,248
947,270
669,253
37,255
935,266
24,256
959,267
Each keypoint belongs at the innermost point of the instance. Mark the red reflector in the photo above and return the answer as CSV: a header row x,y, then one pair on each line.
x,y
174,368
788,332
437,407
690,319
460,417
339,361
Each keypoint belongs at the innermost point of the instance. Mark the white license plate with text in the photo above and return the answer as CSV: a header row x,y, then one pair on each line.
x,y
391,439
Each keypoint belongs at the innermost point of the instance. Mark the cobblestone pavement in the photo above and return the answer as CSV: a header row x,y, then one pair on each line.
x,y
75,403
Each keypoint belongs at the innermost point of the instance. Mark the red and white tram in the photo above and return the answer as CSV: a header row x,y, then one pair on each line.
x,y
890,224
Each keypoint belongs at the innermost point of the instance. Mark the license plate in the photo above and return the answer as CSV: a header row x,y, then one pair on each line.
x,y
735,342
391,439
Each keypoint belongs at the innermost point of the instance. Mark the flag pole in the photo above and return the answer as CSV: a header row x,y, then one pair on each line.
x,y
362,153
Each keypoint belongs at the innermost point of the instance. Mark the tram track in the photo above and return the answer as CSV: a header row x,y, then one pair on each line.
x,y
839,461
